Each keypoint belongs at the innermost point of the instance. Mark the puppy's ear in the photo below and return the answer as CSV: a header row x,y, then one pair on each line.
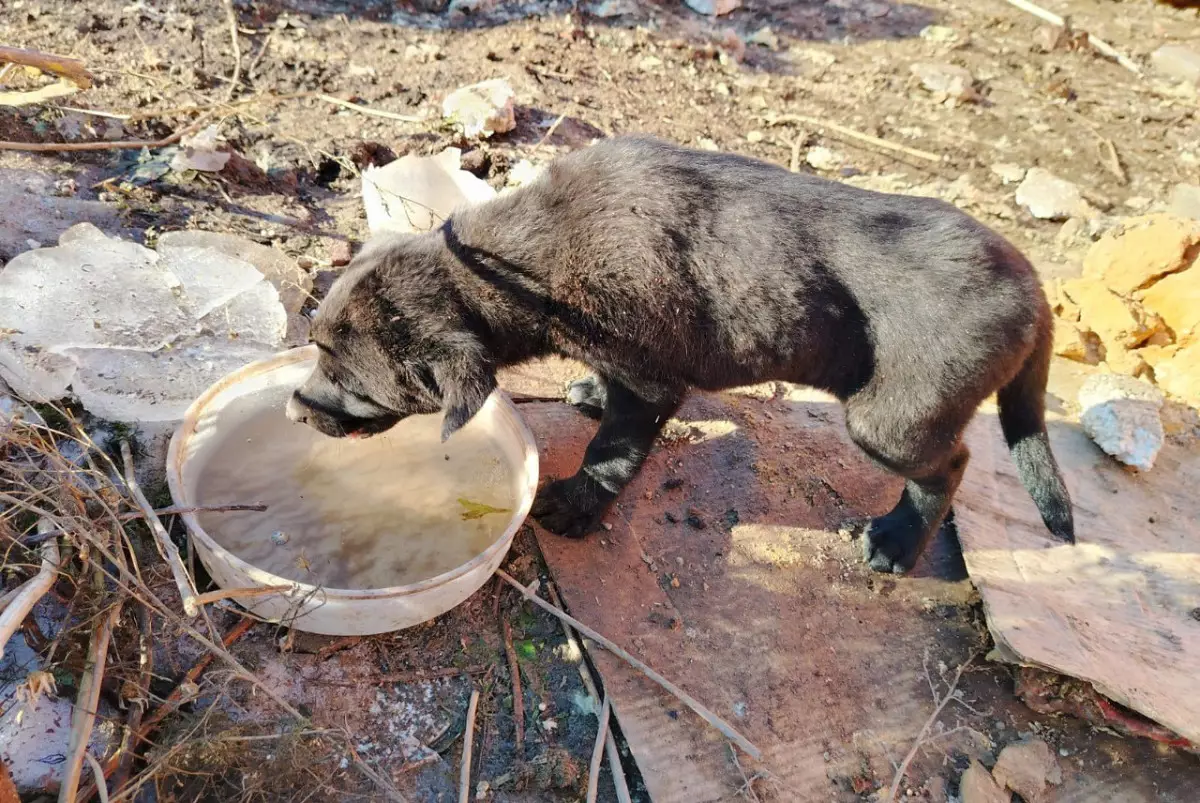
x,y
466,379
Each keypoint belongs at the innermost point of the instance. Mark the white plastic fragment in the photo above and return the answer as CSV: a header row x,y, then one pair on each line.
x,y
416,193
1121,414
199,152
482,109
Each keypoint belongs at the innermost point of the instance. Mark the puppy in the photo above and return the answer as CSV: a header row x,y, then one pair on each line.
x,y
664,269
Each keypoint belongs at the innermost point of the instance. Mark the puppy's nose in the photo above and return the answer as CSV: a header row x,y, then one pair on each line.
x,y
295,410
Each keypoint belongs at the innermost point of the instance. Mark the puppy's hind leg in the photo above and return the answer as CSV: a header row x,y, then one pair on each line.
x,y
932,458
588,395
574,506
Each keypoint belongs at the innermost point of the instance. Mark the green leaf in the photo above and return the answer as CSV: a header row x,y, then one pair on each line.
x,y
477,510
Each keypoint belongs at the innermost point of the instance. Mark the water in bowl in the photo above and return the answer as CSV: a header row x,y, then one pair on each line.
x,y
390,510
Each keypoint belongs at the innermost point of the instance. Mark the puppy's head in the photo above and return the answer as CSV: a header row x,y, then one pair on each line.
x,y
393,340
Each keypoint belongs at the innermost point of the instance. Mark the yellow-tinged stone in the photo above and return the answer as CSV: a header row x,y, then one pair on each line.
x,y
1120,323
1141,250
1176,299
1180,375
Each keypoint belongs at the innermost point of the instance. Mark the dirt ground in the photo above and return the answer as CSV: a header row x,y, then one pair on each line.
x,y
1125,140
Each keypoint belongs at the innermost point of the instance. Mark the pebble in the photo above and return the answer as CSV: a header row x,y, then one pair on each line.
x,y
1177,61
279,538
1185,201
1008,172
939,33
1049,197
822,158
1121,414
339,254
713,8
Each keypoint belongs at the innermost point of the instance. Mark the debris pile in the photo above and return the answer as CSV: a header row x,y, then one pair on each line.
x,y
1136,308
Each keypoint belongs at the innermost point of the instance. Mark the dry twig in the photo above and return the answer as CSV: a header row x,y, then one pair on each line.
x,y
27,595
136,144
63,66
1102,47
894,147
170,553
937,712
514,669
354,107
708,716
231,13
589,683
464,773
598,752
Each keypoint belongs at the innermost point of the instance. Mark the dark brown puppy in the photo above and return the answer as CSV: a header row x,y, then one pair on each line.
x,y
663,269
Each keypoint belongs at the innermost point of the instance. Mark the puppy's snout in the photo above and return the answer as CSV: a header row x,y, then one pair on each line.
x,y
295,410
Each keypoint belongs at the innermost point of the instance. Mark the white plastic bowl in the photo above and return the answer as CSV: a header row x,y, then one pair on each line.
x,y
318,609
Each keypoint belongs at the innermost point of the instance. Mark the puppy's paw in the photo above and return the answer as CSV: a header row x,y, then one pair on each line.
x,y
892,543
572,507
587,396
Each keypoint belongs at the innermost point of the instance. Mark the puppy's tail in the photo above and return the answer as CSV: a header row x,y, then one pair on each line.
x,y
1023,420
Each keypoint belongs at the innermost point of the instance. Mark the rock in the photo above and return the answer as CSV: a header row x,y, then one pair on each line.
x,y
131,329
755,136
482,109
1008,173
1179,374
946,81
1177,61
1121,414
713,8
939,33
340,254
1185,201
822,158
613,8
1077,343
1049,197
978,786
1176,299
765,37
1120,324
1027,768
34,212
1142,250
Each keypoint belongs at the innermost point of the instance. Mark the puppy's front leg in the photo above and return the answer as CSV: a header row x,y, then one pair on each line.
x,y
628,426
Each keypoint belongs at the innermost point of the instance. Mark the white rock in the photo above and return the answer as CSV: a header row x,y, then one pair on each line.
x,y
134,333
939,33
482,109
765,37
946,80
1008,173
1177,61
1121,414
822,158
1185,201
713,8
1049,197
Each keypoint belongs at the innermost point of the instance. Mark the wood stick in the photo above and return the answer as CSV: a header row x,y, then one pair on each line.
x,y
464,773
598,753
514,669
852,134
179,511
237,593
87,702
1100,45
902,770
708,716
187,591
98,774
136,144
354,107
416,676
69,68
32,590
231,13
137,707
589,683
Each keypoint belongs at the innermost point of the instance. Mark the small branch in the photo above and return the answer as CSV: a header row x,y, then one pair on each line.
x,y
87,701
389,791
464,773
354,107
937,712
589,683
239,593
416,676
514,669
64,66
708,716
1100,45
137,707
231,12
550,131
179,511
166,546
31,592
52,147
598,752
98,774
855,135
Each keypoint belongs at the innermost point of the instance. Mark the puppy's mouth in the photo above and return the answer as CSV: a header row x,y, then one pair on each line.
x,y
336,423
